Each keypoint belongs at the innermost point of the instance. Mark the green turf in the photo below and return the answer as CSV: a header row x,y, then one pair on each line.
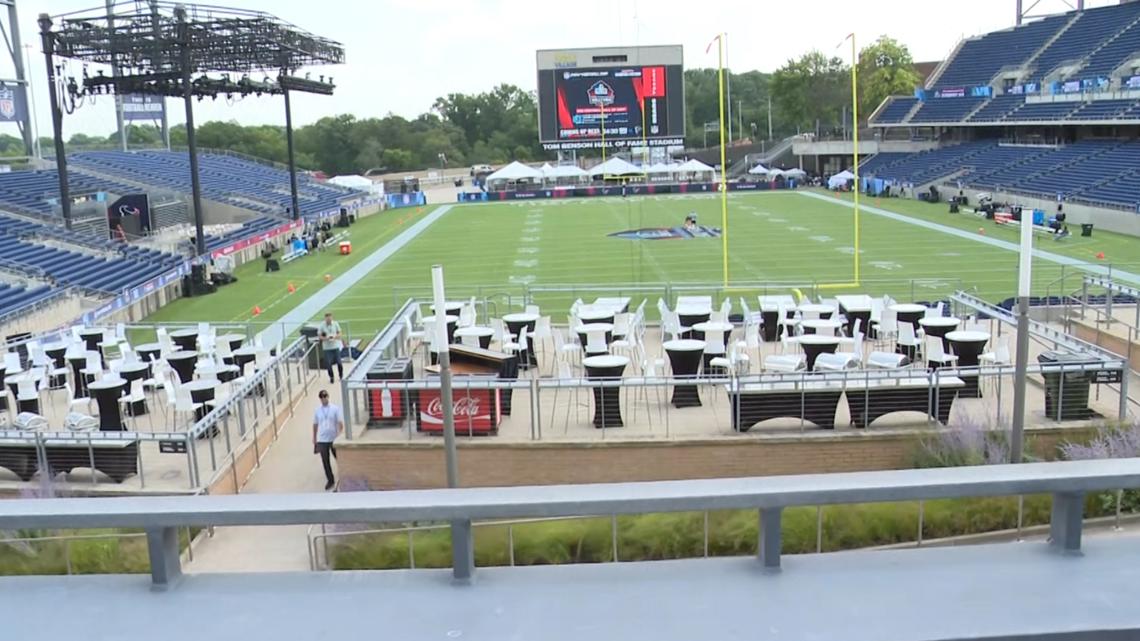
x,y
500,250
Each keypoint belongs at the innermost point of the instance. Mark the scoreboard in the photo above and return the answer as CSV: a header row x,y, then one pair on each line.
x,y
617,97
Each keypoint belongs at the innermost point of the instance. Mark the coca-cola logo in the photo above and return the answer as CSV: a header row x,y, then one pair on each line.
x,y
467,406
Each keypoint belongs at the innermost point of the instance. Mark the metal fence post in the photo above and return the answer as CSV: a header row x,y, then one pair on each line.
x,y
462,551
770,542
1065,522
162,548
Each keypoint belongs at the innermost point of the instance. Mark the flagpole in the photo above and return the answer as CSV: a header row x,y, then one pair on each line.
x,y
855,141
723,162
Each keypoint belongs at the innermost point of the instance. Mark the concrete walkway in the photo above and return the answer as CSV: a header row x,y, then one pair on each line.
x,y
288,467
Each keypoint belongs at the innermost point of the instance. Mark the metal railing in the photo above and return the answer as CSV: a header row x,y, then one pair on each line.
x,y
321,541
162,518
810,399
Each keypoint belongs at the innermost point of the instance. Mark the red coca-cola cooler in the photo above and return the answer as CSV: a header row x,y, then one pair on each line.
x,y
389,407
478,412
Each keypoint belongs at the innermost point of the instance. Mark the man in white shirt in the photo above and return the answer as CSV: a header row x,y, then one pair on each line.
x,y
328,421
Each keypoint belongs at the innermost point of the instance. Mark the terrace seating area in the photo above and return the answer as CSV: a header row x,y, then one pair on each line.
x,y
252,227
773,363
1009,108
226,179
1095,171
101,382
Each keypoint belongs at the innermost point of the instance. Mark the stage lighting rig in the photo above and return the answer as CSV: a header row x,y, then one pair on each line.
x,y
181,50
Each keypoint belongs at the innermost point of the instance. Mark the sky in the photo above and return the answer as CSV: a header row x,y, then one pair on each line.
x,y
403,54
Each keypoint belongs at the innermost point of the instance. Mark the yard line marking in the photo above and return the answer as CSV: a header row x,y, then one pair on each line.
x,y
993,242
321,299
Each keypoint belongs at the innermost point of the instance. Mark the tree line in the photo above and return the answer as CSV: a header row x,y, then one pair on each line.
x,y
810,93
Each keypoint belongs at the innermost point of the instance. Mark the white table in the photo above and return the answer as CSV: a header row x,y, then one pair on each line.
x,y
854,302
591,313
705,301
616,304
714,326
815,344
771,303
585,329
816,308
909,313
482,334
685,359
520,323
816,324
939,326
968,346
607,400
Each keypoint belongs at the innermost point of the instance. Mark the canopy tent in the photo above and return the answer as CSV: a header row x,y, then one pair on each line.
x,y
567,171
614,167
695,166
758,169
515,172
547,170
795,172
776,173
359,183
840,179
661,168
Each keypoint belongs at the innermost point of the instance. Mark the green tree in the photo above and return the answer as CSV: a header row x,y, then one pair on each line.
x,y
886,68
809,92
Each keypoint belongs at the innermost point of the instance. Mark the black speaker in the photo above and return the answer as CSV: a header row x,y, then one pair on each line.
x,y
343,220
271,265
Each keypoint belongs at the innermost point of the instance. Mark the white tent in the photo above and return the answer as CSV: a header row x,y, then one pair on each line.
x,y
775,173
758,169
660,168
614,167
515,172
567,171
840,179
695,166
359,183
795,172
547,170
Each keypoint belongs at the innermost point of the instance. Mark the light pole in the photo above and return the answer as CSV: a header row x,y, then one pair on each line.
x,y
1024,282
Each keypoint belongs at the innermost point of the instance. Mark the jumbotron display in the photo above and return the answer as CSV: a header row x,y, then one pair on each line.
x,y
635,94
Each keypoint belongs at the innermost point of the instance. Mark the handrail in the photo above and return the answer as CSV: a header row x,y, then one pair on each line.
x,y
162,517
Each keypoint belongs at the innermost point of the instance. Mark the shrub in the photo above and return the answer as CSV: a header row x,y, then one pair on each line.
x,y
1112,440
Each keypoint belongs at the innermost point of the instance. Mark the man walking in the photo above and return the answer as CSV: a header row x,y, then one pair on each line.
x,y
328,421
331,343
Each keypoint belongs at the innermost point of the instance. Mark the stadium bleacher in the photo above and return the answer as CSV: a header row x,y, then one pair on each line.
x,y
227,179
15,297
34,192
979,60
897,109
1043,111
998,108
946,109
1090,29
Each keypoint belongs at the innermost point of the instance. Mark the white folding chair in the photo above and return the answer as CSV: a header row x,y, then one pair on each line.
x,y
935,353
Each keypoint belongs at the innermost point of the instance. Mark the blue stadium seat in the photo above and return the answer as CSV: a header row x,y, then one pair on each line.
x,y
896,110
946,109
978,60
1091,29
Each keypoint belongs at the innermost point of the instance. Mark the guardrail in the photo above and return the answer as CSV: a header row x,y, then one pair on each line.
x,y
1067,482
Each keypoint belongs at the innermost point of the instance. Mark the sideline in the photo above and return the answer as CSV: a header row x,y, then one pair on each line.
x,y
289,323
993,242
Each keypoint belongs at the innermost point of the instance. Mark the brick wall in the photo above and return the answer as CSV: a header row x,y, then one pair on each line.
x,y
487,463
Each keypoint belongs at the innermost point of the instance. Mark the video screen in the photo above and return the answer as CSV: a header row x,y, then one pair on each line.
x,y
631,103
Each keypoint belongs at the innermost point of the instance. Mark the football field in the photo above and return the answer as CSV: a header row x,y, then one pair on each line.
x,y
559,250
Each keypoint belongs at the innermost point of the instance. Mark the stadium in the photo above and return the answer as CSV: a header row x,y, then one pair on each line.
x,y
620,343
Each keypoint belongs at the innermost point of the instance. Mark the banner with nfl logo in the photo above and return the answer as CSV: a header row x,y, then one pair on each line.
x,y
13,105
